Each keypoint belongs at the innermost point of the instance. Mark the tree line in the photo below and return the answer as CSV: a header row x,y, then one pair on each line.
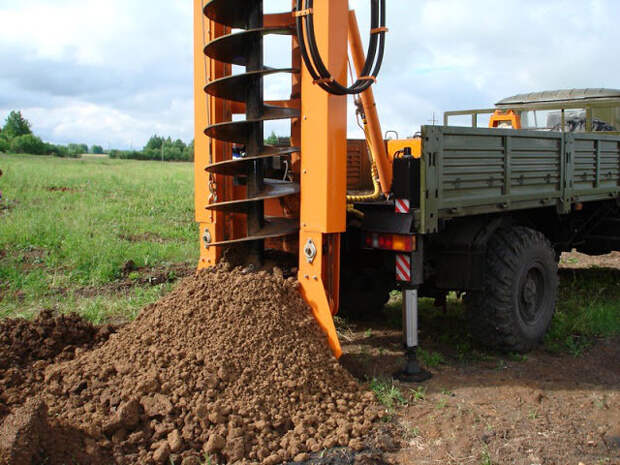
x,y
159,148
16,136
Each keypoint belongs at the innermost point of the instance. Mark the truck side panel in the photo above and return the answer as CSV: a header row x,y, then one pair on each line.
x,y
595,166
470,171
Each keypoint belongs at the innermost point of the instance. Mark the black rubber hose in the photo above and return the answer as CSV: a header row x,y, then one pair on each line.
x,y
315,64
336,87
360,85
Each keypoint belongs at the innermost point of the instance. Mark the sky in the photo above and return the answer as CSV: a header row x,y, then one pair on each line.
x,y
114,73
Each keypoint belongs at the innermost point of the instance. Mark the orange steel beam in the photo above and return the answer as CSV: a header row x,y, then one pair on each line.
x,y
384,165
323,171
208,110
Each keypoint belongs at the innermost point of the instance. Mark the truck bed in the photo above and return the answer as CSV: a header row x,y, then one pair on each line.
x,y
469,171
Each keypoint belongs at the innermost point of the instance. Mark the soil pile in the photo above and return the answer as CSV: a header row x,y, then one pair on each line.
x,y
230,365
28,347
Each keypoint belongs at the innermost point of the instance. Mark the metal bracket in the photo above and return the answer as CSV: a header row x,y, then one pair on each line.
x,y
207,238
310,251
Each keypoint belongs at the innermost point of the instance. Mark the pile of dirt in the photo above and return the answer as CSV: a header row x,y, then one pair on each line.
x,y
28,347
230,365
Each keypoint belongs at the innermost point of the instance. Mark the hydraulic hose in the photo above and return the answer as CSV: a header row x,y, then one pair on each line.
x,y
314,62
374,172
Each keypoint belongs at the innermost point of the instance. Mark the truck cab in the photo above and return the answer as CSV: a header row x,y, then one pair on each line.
x,y
567,110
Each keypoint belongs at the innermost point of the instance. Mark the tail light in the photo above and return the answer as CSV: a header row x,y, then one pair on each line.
x,y
395,242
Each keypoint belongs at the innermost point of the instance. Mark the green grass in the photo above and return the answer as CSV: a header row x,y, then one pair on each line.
x,y
70,225
588,308
430,359
387,393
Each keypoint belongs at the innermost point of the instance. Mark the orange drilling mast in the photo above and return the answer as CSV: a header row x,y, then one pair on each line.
x,y
242,196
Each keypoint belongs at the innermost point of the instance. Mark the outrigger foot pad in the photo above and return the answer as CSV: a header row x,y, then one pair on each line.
x,y
413,372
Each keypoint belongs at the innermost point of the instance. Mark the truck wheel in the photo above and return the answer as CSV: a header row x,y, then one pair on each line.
x,y
515,308
363,294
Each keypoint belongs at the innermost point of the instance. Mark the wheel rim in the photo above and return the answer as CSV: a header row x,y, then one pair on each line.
x,y
532,293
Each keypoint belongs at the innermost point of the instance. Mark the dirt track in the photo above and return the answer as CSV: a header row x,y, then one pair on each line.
x,y
546,409
492,409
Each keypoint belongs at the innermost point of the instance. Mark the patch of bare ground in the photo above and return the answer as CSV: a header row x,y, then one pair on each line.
x,y
486,408
133,276
576,260
61,189
143,237
7,205
544,409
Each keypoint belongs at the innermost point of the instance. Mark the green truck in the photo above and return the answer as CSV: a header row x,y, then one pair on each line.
x,y
488,211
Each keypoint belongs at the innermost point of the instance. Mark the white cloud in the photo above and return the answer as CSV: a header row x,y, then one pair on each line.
x,y
115,72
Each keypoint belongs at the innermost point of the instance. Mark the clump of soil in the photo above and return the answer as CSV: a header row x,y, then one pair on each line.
x,y
230,365
28,347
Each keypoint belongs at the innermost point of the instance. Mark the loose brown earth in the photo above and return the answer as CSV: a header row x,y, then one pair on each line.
x,y
230,365
249,378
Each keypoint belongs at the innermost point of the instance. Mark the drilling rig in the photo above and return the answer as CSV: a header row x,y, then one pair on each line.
x,y
446,204
242,196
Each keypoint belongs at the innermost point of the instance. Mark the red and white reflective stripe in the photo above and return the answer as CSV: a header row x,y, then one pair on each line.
x,y
403,267
402,205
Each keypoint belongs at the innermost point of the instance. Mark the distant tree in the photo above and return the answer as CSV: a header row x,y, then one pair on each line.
x,y
28,143
5,144
16,125
272,139
154,143
189,151
60,151
97,149
77,149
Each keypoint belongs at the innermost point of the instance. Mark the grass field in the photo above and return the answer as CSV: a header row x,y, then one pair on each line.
x,y
105,237
68,228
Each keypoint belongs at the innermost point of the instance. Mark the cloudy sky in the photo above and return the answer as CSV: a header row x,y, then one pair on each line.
x,y
115,72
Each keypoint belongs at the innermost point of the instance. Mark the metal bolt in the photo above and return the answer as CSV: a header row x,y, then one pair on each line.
x,y
310,251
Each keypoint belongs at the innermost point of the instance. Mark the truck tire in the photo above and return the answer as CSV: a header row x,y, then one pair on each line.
x,y
363,294
514,309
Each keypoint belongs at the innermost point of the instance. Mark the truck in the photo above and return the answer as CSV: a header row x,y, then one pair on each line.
x,y
491,210
484,212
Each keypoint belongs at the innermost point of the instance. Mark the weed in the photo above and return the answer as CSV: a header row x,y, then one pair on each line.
x,y
441,404
485,457
419,393
516,357
387,393
207,460
532,415
431,359
368,333
411,432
